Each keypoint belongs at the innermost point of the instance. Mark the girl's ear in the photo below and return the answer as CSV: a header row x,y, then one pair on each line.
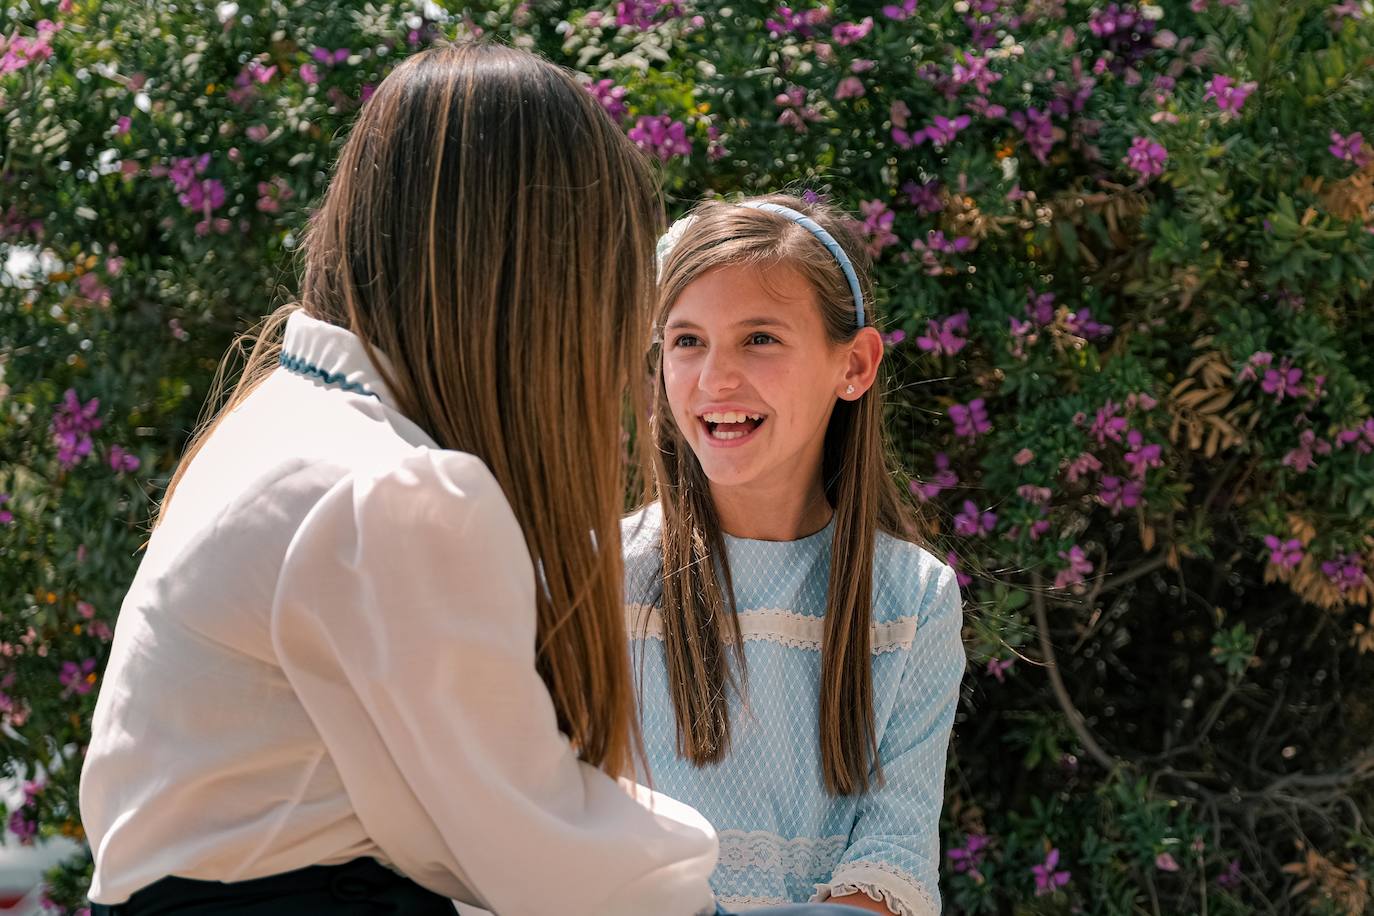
x,y
861,370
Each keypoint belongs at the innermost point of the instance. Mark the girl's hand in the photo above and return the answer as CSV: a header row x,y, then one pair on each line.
x,y
861,901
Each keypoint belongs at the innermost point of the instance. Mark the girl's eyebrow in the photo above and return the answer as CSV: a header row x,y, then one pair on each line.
x,y
761,322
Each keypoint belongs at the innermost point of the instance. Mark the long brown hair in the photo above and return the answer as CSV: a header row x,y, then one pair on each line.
x,y
701,631
490,231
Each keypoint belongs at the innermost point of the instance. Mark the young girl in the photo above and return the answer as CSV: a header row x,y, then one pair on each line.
x,y
373,658
799,657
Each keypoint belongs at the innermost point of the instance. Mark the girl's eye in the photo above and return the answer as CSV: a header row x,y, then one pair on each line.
x,y
759,338
685,340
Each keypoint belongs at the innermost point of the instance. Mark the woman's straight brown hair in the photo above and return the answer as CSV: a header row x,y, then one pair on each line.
x,y
490,231
701,631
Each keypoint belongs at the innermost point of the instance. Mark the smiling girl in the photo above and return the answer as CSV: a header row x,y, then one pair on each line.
x,y
799,657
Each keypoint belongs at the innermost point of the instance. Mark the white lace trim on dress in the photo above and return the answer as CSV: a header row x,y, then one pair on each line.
x,y
796,631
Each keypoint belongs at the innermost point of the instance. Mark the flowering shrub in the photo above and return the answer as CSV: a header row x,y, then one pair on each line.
x,y
1125,254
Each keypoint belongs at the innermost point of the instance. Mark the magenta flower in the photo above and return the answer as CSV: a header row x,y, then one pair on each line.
x,y
1079,566
877,226
1360,435
1345,572
1119,495
611,98
1047,879
940,132
1228,95
309,74
1286,554
966,859
847,33
943,479
803,25
900,11
1142,457
1107,425
963,579
998,668
971,419
642,14
72,425
1349,148
1037,130
76,678
272,193
1301,458
796,114
942,337
924,197
1258,360
1230,877
1084,325
1040,307
661,136
258,132
1166,862
330,58
1146,158
971,522
893,338
1285,380
1032,493
851,87
974,69
6,516
123,461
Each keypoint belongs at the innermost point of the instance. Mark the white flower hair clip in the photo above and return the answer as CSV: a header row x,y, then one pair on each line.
x,y
669,240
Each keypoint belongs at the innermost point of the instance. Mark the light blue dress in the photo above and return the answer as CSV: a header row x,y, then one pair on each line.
x,y
783,838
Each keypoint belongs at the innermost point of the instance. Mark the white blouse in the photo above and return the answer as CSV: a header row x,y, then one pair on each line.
x,y
329,652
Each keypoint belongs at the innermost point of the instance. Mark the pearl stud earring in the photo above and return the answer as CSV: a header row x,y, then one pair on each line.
x,y
849,390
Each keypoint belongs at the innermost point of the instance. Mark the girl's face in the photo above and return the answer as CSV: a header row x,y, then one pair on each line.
x,y
752,377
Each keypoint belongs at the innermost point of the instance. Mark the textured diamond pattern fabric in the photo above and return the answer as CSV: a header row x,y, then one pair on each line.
x,y
783,837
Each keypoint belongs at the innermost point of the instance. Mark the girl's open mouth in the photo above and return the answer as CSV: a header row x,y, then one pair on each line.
x,y
730,427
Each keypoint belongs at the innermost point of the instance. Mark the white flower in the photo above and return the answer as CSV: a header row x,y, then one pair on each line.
x,y
670,239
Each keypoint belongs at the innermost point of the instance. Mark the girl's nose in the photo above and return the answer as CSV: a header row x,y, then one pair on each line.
x,y
719,373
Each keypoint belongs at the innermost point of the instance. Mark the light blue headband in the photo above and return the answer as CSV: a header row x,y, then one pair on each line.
x,y
826,239
675,232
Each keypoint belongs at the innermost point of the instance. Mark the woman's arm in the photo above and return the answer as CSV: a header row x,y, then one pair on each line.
x,y
862,902
405,622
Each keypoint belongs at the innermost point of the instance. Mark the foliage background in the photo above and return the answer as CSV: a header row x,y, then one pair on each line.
x,y
1126,253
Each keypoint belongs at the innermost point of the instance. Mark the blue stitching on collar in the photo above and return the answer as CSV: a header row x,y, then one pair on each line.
x,y
337,379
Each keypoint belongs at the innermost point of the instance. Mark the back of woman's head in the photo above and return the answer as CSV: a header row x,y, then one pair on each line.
x,y
490,231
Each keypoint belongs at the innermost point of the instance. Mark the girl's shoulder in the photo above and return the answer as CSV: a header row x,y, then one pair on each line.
x,y
906,578
639,531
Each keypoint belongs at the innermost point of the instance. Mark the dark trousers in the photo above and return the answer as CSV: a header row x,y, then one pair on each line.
x,y
359,888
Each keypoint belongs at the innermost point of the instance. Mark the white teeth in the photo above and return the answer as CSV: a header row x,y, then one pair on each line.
x,y
717,434
729,416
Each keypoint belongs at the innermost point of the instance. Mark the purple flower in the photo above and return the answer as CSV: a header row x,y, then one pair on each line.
x,y
76,678
963,579
1047,880
974,69
942,337
795,112
309,74
1285,380
803,25
330,58
642,14
966,859
272,193
23,826
893,338
897,12
943,479
1040,307
1345,572
971,522
924,197
1349,148
997,668
851,87
941,132
847,33
1230,877
1037,130
1119,495
1146,158
971,419
1227,94
611,97
258,132
1084,325
1079,566
72,425
123,461
877,226
661,136
1107,424
1286,554
1082,466
1166,862
1301,458
1142,457
6,516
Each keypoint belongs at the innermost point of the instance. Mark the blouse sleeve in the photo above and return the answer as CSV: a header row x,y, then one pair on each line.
x,y
404,620
893,852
